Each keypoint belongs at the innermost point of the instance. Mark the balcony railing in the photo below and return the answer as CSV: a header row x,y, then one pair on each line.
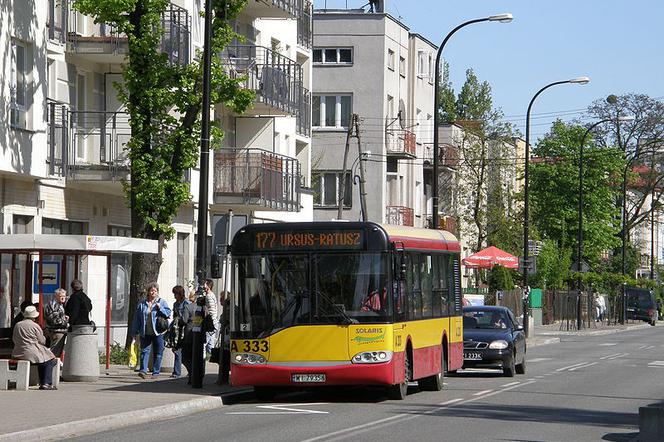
x,y
399,216
401,144
88,38
276,79
256,177
274,8
303,116
305,26
87,145
58,13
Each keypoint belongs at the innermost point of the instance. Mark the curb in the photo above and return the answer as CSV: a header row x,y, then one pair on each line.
x,y
543,342
120,420
611,331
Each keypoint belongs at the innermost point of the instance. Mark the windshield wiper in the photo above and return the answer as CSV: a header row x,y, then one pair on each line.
x,y
337,310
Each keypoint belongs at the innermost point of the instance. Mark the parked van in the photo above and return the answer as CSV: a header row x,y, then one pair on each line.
x,y
641,304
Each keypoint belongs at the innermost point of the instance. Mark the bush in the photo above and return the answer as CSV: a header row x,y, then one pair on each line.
x,y
500,278
119,356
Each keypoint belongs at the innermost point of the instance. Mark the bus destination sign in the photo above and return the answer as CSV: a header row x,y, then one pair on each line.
x,y
290,240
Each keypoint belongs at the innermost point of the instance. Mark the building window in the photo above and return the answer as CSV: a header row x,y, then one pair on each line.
x,y
333,55
182,257
331,111
119,231
390,59
326,185
421,64
402,66
62,227
18,85
22,224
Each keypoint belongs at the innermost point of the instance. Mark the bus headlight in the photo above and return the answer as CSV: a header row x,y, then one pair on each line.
x,y
248,358
372,357
499,345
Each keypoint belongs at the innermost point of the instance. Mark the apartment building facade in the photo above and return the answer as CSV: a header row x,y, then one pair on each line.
x,y
370,64
62,158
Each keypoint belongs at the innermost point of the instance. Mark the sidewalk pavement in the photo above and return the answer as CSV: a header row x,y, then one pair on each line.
x,y
551,333
120,398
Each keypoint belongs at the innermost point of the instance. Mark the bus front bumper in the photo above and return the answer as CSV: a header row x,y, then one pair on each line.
x,y
290,374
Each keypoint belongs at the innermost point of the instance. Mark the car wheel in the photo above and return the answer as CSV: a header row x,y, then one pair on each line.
x,y
521,368
435,382
509,369
400,391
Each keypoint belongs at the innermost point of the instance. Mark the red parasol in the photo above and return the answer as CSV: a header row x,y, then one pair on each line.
x,y
489,257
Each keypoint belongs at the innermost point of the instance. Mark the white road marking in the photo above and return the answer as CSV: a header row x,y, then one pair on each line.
x,y
479,393
583,366
285,409
642,347
610,356
619,355
649,347
608,344
571,366
539,377
510,384
656,364
404,417
539,359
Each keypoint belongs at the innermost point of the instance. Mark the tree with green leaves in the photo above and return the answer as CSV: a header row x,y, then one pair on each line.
x,y
484,149
554,191
163,100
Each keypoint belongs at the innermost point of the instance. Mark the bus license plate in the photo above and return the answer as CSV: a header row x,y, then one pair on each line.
x,y
308,378
472,356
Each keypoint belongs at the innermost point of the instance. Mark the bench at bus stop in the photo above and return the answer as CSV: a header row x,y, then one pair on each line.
x,y
22,374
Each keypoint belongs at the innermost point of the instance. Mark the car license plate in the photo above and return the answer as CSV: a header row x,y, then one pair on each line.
x,y
472,356
308,378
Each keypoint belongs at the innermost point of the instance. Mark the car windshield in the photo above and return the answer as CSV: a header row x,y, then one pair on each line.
x,y
276,291
485,319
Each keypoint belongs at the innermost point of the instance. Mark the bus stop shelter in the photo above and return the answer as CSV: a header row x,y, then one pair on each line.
x,y
35,264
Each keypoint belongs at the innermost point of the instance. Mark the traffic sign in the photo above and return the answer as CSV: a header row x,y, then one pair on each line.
x,y
531,265
585,267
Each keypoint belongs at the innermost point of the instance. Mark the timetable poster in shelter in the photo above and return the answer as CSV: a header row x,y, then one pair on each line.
x,y
50,277
475,300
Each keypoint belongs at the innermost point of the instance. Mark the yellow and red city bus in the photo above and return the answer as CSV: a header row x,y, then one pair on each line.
x,y
344,303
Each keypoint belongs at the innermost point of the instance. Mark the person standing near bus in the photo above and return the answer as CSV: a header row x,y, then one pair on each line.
x,y
56,321
212,308
179,306
144,326
79,306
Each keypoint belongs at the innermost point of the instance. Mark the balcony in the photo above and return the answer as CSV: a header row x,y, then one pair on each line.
x,y
274,8
276,79
399,216
303,116
102,43
305,26
258,178
87,145
401,144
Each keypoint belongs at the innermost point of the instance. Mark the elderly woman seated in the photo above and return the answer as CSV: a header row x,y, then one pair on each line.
x,y
30,345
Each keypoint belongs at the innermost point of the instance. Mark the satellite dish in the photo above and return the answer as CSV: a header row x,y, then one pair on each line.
x,y
401,115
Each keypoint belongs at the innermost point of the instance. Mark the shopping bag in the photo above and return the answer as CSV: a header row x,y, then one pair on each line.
x,y
133,354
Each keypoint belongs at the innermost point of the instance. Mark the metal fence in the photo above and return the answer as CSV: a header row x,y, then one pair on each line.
x,y
305,26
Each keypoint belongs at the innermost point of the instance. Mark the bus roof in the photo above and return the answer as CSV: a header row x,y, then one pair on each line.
x,y
422,239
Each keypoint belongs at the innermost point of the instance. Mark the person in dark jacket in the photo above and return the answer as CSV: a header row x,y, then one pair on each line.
x,y
78,306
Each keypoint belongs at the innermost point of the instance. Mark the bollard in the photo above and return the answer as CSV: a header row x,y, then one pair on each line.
x,y
81,355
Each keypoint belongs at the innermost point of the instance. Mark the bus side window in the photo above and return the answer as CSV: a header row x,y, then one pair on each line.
x,y
415,304
449,267
427,283
440,292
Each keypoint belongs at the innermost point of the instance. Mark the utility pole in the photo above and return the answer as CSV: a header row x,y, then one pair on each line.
x,y
363,192
198,339
342,185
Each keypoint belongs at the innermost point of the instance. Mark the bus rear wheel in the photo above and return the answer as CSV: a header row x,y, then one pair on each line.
x,y
400,391
435,382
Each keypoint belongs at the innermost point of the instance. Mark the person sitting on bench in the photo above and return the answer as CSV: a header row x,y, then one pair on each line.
x,y
30,345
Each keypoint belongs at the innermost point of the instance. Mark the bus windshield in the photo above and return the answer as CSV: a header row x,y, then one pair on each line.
x,y
277,291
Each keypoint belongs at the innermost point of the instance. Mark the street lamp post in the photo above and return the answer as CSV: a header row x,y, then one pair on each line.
x,y
579,235
578,80
501,18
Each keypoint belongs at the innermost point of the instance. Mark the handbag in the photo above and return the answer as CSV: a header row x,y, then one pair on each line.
x,y
214,355
208,324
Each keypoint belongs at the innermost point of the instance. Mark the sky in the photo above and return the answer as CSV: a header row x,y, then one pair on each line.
x,y
617,43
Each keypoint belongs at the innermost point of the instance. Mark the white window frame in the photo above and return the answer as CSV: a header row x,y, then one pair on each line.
x,y
337,111
391,57
18,88
402,66
320,175
337,52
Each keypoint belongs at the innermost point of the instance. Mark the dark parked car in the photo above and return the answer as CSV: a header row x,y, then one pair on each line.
x,y
641,305
492,338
